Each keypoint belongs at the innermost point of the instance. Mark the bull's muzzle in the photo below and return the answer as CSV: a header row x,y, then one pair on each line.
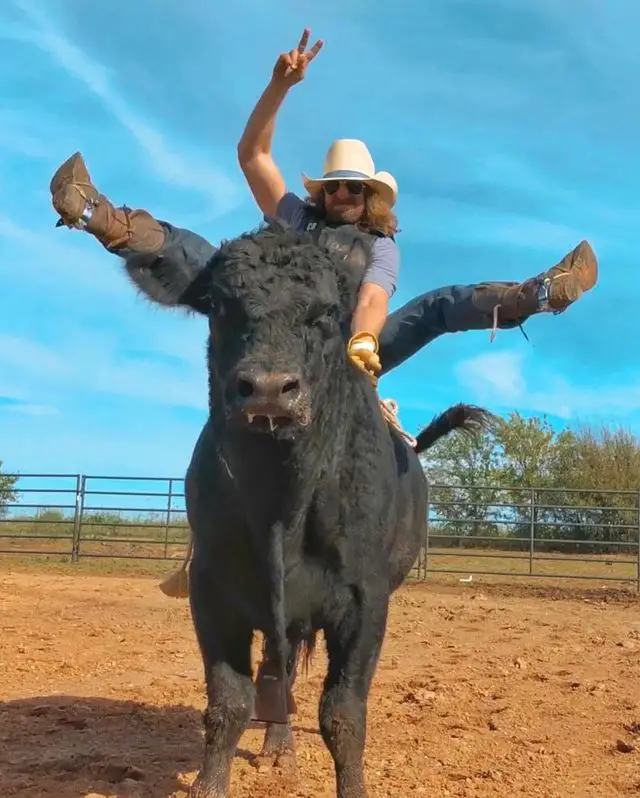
x,y
268,399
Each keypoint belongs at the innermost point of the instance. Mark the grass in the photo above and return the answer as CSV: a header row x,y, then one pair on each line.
x,y
558,566
153,548
442,565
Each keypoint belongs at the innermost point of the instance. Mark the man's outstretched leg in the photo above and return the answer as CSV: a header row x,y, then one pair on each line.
x,y
81,205
161,259
486,306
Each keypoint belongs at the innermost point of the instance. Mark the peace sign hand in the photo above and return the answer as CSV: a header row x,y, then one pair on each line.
x,y
291,67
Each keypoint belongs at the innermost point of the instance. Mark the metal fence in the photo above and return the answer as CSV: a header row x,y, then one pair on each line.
x,y
480,530
81,516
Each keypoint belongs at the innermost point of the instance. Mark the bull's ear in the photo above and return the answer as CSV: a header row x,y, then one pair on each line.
x,y
197,295
167,283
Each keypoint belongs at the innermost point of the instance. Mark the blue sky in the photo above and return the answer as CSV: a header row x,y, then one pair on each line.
x,y
511,127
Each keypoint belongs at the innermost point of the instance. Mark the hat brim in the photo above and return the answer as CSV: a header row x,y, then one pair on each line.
x,y
387,192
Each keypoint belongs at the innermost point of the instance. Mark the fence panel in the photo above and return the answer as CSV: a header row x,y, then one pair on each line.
x,y
470,530
535,532
137,518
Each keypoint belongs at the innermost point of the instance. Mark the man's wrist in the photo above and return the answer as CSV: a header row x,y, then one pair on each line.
x,y
363,342
276,88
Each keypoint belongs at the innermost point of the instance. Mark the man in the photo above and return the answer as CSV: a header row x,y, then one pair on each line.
x,y
349,199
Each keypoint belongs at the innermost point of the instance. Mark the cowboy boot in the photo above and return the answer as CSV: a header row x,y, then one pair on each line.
x,y
552,291
81,206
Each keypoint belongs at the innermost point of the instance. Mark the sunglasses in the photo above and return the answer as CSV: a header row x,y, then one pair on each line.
x,y
353,186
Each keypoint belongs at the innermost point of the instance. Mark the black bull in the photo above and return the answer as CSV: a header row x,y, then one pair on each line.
x,y
307,510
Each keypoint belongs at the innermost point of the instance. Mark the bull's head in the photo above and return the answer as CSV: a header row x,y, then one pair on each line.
x,y
279,309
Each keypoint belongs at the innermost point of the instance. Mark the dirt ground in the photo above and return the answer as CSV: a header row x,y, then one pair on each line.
x,y
490,690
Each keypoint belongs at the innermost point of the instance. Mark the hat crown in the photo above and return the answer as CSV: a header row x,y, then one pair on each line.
x,y
349,155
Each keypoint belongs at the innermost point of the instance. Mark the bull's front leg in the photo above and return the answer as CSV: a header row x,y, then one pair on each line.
x,y
353,647
225,644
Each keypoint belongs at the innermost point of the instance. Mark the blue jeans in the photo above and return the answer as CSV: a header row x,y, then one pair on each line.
x,y
449,309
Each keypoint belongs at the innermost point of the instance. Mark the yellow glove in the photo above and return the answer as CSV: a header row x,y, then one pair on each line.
x,y
362,350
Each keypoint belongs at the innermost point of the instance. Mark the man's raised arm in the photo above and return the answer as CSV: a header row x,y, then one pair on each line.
x,y
254,149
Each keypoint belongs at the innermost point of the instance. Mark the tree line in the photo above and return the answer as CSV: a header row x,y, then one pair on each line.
x,y
8,493
573,485
570,485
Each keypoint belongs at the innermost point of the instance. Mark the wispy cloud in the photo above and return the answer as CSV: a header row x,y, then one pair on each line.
x,y
20,354
67,259
499,374
11,405
89,364
510,380
16,139
222,192
479,225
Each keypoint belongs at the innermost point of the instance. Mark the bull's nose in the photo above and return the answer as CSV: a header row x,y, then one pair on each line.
x,y
270,387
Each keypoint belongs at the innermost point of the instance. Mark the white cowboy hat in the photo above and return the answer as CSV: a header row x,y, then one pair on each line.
x,y
349,159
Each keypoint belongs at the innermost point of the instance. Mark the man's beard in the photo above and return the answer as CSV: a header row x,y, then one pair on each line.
x,y
345,213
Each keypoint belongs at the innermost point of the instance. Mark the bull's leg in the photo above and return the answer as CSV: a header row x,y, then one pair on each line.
x,y
225,644
353,649
278,745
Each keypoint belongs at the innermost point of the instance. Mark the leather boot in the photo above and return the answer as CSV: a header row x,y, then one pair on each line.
x,y
552,291
81,206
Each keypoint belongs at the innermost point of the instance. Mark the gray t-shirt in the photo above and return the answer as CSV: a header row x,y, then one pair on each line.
x,y
385,259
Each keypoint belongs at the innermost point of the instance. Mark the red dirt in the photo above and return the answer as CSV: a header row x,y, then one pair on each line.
x,y
481,691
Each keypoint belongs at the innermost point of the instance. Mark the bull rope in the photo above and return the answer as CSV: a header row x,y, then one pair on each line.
x,y
176,585
389,409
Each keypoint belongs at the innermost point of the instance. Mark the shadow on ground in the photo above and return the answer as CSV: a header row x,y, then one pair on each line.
x,y
66,747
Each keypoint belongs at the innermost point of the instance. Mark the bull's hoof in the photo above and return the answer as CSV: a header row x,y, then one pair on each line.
x,y
286,762
203,789
278,750
199,790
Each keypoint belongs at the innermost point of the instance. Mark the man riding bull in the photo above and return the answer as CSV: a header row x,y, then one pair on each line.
x,y
348,201
351,199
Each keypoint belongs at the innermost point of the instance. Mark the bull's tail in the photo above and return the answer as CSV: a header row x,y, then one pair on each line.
x,y
469,419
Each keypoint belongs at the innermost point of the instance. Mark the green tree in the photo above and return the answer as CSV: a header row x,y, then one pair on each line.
x,y
576,485
8,493
528,447
465,472
600,470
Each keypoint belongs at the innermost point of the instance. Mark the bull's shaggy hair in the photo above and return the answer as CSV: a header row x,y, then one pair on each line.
x,y
271,261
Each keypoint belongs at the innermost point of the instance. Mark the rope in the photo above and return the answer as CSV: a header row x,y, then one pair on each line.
x,y
389,409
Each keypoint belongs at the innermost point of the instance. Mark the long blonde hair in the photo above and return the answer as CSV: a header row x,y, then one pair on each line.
x,y
378,214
